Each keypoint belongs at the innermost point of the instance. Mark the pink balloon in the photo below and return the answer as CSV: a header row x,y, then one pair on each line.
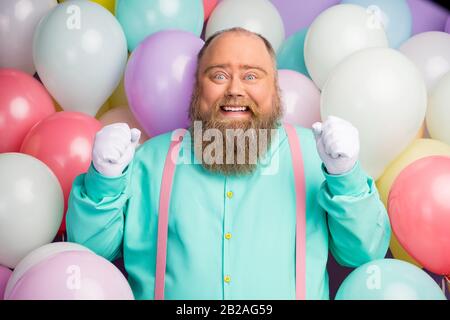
x,y
300,98
419,209
122,114
72,275
23,103
64,143
208,7
5,274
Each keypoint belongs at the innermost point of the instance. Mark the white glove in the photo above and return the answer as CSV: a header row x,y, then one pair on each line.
x,y
337,142
113,148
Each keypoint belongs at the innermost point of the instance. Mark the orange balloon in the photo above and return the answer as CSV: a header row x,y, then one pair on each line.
x,y
123,114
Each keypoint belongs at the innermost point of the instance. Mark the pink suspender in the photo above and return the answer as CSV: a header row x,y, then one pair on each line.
x,y
164,200
300,208
163,219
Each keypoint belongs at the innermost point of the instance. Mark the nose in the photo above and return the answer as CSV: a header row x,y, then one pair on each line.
x,y
235,88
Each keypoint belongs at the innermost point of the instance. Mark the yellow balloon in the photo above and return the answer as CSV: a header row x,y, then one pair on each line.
x,y
119,97
421,132
103,109
108,4
418,149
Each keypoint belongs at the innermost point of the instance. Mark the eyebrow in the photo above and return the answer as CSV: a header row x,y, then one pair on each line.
x,y
225,66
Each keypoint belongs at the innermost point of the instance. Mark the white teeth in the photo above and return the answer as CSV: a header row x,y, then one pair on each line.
x,y
235,109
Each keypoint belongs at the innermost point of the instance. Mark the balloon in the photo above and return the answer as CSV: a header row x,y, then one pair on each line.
x,y
290,55
32,206
396,17
258,16
72,275
141,18
122,114
383,94
119,96
297,15
37,256
23,103
419,211
417,150
430,51
159,80
438,111
5,273
300,97
208,7
389,279
63,142
427,16
337,33
80,55
18,20
108,4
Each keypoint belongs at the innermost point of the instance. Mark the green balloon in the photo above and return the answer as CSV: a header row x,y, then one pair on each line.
x,y
389,279
141,18
290,55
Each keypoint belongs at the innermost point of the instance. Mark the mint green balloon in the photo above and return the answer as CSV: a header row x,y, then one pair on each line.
x,y
389,279
290,55
141,18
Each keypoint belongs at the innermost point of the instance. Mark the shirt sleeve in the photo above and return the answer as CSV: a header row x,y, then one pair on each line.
x,y
96,208
357,219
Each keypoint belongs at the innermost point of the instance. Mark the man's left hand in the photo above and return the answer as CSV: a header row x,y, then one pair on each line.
x,y
337,143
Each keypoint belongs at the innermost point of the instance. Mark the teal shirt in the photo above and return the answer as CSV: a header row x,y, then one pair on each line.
x,y
119,217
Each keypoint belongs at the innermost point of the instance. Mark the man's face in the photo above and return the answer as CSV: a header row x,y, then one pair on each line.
x,y
236,94
236,79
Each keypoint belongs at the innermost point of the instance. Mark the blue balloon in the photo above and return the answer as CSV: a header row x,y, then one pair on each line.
x,y
141,18
389,279
396,14
290,55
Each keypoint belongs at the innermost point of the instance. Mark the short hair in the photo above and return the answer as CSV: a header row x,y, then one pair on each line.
x,y
267,44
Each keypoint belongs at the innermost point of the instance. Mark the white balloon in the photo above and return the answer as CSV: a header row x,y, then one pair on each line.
x,y
430,51
438,111
31,206
37,256
338,32
18,21
259,16
80,54
381,92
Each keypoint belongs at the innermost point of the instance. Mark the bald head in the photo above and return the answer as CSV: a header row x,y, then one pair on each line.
x,y
255,40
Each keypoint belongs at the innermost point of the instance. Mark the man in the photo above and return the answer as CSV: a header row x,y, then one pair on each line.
x,y
234,230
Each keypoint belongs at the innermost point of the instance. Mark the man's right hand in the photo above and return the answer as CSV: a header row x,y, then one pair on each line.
x,y
113,148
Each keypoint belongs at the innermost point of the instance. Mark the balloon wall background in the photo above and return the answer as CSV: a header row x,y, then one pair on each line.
x,y
67,68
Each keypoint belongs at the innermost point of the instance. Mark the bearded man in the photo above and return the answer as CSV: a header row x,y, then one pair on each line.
x,y
239,206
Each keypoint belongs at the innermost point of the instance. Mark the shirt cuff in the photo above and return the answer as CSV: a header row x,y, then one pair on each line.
x,y
351,183
99,186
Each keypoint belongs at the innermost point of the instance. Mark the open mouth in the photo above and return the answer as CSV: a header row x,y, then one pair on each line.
x,y
236,109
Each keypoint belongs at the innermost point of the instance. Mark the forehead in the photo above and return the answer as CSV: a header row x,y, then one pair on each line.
x,y
237,48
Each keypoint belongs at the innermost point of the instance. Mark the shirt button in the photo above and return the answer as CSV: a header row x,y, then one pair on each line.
x,y
227,279
228,236
230,194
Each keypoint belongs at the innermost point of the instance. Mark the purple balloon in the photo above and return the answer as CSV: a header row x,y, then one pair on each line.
x,y
427,16
299,14
160,78
72,275
447,25
5,273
